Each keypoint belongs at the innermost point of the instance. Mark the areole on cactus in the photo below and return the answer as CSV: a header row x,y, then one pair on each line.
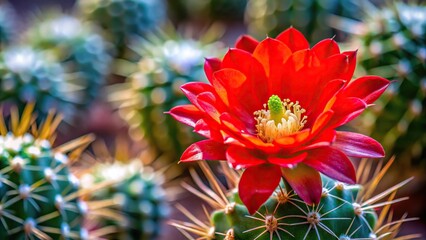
x,y
272,108
345,212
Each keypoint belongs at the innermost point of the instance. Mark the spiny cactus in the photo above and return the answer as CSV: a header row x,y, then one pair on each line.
x,y
39,195
345,212
311,17
80,50
394,43
154,88
122,19
7,23
139,198
27,75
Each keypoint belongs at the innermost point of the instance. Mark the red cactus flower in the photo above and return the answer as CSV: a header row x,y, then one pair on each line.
x,y
272,108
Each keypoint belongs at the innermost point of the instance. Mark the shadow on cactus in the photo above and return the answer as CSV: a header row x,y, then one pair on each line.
x,y
40,197
206,11
167,62
392,42
312,17
345,211
140,202
77,47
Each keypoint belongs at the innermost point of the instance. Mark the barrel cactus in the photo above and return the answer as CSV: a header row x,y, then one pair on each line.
x,y
122,19
7,26
27,75
393,40
39,194
312,17
345,212
138,196
165,65
80,50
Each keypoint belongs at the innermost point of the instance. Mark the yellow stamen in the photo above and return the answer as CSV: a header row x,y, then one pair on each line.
x,y
279,121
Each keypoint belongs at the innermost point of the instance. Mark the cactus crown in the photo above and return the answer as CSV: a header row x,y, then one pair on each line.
x,y
345,212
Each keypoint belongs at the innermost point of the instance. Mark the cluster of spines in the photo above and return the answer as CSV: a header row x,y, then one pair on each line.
x,y
351,216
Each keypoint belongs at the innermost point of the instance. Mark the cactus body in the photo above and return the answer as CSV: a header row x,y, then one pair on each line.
x,y
35,185
6,24
139,197
395,43
39,194
122,19
155,89
82,52
27,75
345,212
311,17
285,215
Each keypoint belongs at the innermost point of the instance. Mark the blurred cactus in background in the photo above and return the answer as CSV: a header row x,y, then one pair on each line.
x,y
27,75
7,23
80,50
345,211
121,20
139,198
40,197
392,42
166,64
311,17
207,11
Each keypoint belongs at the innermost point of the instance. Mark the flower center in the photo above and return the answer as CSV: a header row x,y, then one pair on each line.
x,y
282,118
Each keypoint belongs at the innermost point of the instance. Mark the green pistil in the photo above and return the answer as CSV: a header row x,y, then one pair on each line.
x,y
276,109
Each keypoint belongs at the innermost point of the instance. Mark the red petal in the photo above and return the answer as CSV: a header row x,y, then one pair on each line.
x,y
305,181
187,114
345,110
293,39
204,150
241,157
209,130
336,67
257,184
367,88
272,54
287,162
211,65
305,59
326,48
332,163
206,101
322,120
193,89
358,145
255,85
321,98
246,43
